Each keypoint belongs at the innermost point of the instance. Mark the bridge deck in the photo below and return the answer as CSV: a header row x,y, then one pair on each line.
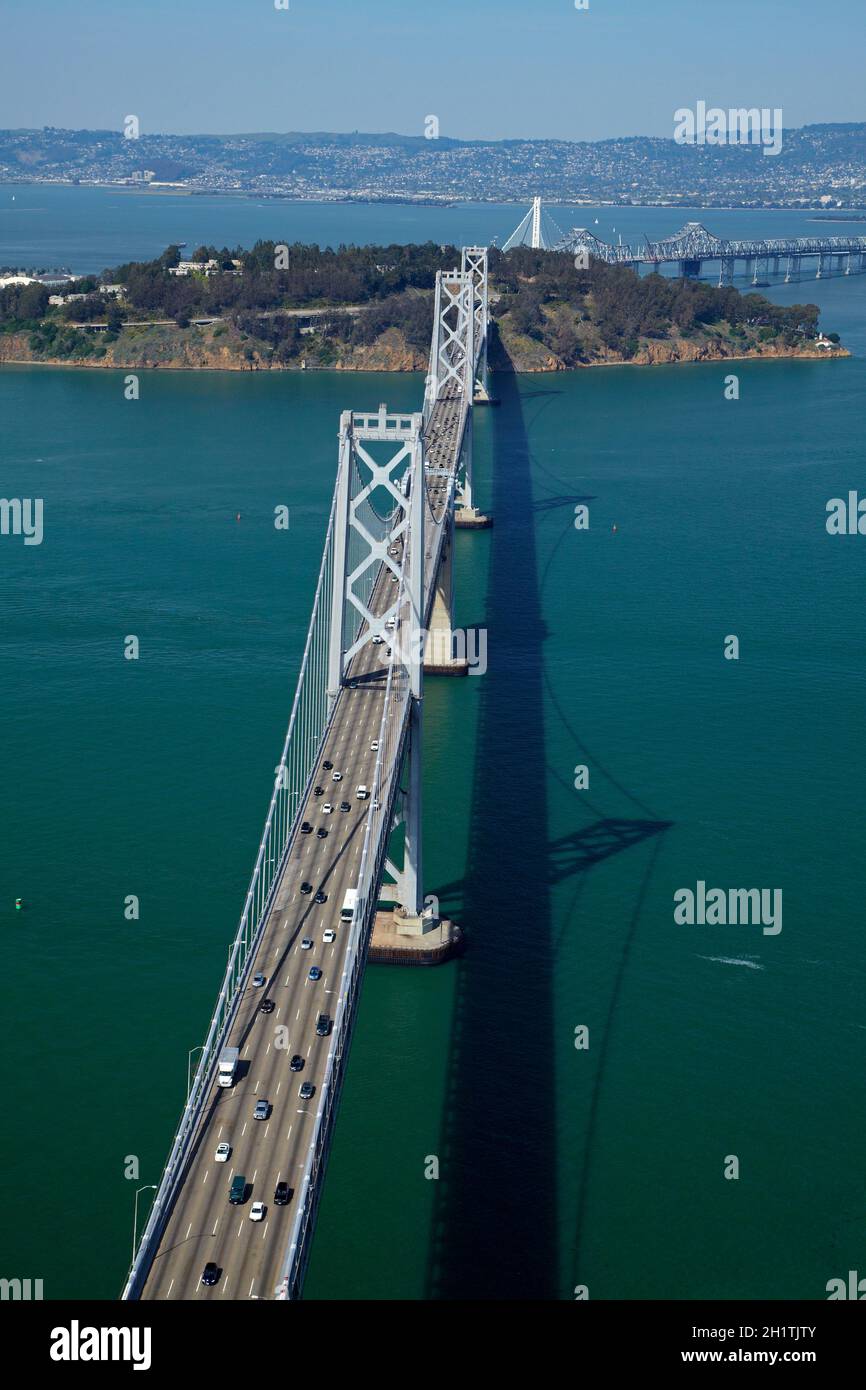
x,y
203,1226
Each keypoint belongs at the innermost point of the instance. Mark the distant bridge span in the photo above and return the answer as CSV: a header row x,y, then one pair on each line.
x,y
693,245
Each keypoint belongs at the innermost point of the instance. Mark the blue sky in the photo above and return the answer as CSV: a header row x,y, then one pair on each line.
x,y
486,68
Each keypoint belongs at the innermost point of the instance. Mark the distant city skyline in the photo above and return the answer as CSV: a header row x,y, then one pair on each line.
x,y
487,69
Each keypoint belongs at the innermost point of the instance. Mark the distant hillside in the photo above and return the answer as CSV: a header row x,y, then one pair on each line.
x,y
819,165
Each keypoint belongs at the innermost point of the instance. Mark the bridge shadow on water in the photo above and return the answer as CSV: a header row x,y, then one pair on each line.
x,y
495,1226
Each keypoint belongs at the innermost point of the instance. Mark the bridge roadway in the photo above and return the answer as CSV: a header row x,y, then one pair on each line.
x,y
203,1226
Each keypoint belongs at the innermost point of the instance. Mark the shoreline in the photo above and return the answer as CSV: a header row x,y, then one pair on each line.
x,y
822,356
446,203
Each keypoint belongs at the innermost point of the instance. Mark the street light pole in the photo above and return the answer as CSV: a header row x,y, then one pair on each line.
x,y
200,1048
152,1187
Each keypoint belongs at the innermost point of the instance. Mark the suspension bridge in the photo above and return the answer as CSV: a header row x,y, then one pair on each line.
x,y
786,258
349,775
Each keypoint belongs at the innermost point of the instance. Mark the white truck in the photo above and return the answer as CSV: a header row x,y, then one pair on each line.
x,y
228,1065
350,902
362,792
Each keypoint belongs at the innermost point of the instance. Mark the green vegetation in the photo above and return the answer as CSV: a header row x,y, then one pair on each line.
x,y
605,312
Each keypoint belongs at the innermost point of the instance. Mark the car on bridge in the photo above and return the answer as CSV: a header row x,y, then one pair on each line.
x,y
238,1190
282,1194
307,1090
306,887
344,806
336,776
297,1063
323,1025
329,936
321,833
223,1153
258,981
306,828
267,1006
374,746
318,791
257,1211
262,1110
327,809
315,973
307,944
378,641
320,898
327,765
210,1274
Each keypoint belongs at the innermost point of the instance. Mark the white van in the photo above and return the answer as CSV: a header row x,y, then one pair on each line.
x,y
361,792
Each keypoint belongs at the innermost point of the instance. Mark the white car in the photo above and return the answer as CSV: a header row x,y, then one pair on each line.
x,y
377,640
337,776
327,808
390,624
223,1153
361,792
257,1211
376,805
374,746
306,944
329,936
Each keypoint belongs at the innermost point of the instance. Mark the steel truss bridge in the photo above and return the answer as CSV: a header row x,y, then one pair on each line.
x,y
385,579
693,246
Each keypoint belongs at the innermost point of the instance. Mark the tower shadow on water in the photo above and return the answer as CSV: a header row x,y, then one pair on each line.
x,y
495,1217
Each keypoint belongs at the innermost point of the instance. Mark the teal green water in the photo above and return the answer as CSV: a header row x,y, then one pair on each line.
x,y
557,1166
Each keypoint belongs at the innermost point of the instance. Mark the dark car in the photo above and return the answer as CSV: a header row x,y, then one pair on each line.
x,y
323,1025
321,832
282,1194
307,1090
315,973
297,1063
306,887
320,897
318,791
306,828
344,806
267,1006
327,765
238,1189
210,1274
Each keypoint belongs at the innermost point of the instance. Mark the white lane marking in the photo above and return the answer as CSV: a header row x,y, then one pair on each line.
x,y
188,1229
289,1135
264,1229
219,1131
250,1294
279,1084
215,1224
240,1227
297,1015
255,1175
256,1087
170,1287
244,1130
223,1289
205,1178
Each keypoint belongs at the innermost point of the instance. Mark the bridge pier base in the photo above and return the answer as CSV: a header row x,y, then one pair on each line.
x,y
397,941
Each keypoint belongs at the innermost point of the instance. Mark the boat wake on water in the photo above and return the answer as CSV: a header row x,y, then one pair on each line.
x,y
734,960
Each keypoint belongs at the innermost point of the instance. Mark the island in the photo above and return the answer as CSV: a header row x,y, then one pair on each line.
x,y
370,308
